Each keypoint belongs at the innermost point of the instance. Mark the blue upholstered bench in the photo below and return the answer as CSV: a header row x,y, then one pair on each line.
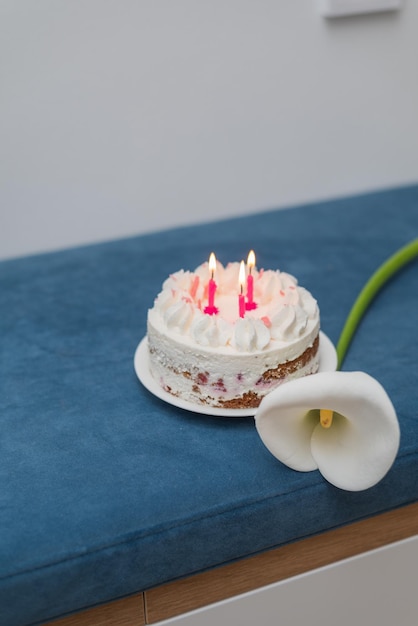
x,y
106,491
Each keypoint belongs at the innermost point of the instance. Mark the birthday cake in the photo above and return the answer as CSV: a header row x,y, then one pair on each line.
x,y
227,336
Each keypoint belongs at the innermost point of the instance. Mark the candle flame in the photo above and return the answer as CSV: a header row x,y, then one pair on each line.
x,y
212,264
251,260
241,277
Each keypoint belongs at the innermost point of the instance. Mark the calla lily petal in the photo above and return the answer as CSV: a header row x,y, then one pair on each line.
x,y
361,446
285,422
287,431
357,450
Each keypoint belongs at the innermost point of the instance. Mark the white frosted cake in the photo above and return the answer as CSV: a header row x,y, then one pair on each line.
x,y
216,339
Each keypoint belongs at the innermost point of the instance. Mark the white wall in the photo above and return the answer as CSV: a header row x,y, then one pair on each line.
x,y
123,116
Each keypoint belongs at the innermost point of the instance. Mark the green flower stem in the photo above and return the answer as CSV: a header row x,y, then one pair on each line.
x,y
381,276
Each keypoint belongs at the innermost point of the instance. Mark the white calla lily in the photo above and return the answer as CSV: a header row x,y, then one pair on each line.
x,y
342,423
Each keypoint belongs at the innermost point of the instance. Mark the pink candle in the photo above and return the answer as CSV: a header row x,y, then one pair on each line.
x,y
241,298
211,309
250,304
241,305
211,295
250,289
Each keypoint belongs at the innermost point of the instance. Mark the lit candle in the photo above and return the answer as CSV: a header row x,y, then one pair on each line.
x,y
241,298
211,309
250,304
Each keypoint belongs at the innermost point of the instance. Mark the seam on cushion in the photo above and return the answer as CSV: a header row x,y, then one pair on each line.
x,y
247,555
184,524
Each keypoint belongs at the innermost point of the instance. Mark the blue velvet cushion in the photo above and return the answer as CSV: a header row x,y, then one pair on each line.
x,y
106,490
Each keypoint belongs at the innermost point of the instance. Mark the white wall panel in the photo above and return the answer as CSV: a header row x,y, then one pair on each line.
x,y
123,116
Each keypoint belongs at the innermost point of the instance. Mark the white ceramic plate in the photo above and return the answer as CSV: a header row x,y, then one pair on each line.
x,y
327,363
